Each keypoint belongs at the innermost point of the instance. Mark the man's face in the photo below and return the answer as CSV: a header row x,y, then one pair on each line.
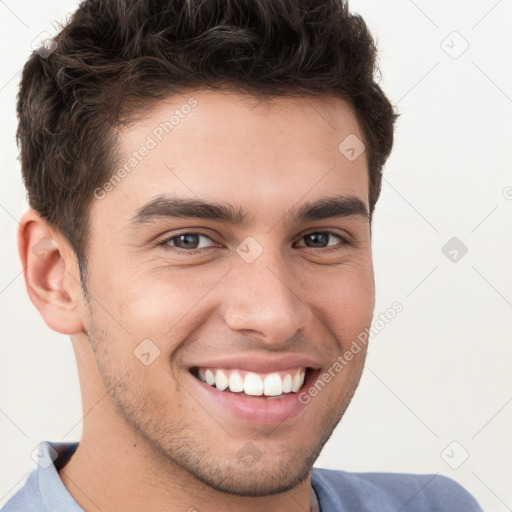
x,y
278,294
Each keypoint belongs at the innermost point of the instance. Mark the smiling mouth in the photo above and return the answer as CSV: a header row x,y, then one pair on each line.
x,y
276,384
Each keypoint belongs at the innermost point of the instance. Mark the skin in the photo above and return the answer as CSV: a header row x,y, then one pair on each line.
x,y
150,441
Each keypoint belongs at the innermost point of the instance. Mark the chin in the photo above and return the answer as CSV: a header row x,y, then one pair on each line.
x,y
264,480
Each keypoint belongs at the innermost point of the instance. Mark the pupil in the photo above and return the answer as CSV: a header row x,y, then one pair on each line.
x,y
189,240
319,239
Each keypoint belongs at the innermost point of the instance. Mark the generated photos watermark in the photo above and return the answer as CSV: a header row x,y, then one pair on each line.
x,y
156,136
357,345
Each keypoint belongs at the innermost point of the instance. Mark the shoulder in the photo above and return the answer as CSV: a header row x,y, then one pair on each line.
x,y
27,498
43,489
391,491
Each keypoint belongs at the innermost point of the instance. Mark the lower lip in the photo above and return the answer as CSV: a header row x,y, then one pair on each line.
x,y
257,409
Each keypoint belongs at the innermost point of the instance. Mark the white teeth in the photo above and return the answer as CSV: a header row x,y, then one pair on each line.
x,y
272,385
298,380
209,377
287,383
253,385
221,381
236,383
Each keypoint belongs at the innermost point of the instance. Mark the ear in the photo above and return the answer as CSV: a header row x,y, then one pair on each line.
x,y
51,274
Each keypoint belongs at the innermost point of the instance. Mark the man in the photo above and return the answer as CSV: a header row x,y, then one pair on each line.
x,y
202,178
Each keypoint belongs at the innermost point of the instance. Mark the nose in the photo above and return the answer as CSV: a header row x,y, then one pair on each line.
x,y
263,297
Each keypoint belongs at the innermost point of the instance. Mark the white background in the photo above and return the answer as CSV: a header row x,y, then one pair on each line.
x,y
440,371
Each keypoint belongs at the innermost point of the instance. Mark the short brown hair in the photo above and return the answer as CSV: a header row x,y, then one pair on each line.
x,y
114,56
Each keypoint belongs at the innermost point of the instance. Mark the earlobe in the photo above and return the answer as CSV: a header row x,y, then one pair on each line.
x,y
51,274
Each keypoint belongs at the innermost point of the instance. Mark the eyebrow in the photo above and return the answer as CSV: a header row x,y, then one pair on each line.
x,y
175,207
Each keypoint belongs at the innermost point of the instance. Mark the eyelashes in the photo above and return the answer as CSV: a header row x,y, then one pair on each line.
x,y
184,236
329,234
189,237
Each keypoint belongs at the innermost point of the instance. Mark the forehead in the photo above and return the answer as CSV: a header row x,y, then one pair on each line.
x,y
260,155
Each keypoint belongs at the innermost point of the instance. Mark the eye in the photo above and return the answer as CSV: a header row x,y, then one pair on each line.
x,y
320,240
188,241
192,241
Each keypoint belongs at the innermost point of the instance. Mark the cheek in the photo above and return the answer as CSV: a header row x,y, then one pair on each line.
x,y
343,298
165,304
162,302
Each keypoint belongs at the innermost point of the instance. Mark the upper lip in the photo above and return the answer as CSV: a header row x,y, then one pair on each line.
x,y
259,363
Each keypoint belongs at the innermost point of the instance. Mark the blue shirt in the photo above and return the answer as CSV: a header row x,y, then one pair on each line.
x,y
337,491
